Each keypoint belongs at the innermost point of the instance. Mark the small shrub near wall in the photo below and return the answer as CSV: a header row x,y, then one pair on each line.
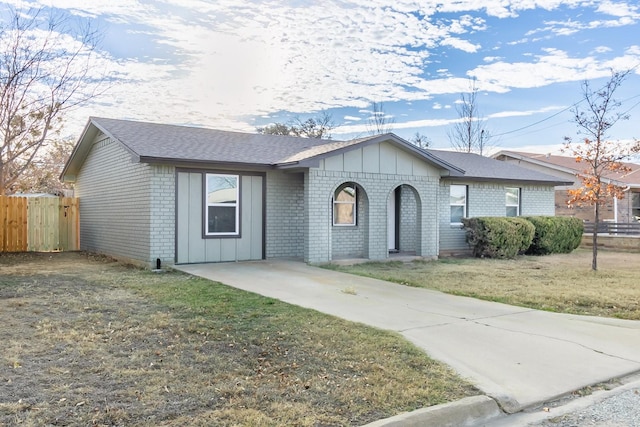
x,y
555,234
498,237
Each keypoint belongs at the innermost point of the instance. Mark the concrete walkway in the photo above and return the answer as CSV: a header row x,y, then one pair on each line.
x,y
518,356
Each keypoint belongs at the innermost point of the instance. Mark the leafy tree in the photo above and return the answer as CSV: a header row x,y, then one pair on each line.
x,y
469,133
380,122
47,66
601,157
318,127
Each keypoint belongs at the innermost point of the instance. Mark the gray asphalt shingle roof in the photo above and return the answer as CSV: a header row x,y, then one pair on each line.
x,y
153,142
161,141
488,169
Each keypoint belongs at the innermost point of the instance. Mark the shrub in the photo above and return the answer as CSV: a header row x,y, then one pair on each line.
x,y
555,234
498,237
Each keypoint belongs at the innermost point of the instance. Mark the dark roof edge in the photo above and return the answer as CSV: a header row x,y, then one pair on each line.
x,y
394,139
514,180
90,130
110,135
199,163
74,154
535,161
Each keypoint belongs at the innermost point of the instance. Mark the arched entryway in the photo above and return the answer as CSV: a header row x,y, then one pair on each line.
x,y
404,210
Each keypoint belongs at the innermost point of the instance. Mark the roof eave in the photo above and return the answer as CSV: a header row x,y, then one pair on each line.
x,y
201,163
71,168
394,139
538,162
511,180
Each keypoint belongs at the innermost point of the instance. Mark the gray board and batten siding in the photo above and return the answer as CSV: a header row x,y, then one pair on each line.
x,y
193,246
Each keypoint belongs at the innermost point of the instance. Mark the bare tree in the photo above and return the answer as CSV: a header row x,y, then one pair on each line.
x,y
601,157
419,140
43,173
46,68
318,127
469,133
379,121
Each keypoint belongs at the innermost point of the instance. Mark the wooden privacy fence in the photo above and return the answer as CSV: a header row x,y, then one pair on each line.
x,y
39,224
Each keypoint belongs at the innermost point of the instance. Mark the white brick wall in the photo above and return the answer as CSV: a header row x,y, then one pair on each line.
x,y
114,202
408,220
284,215
162,212
488,199
351,241
320,185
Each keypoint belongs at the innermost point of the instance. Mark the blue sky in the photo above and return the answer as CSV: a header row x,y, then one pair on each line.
x,y
238,65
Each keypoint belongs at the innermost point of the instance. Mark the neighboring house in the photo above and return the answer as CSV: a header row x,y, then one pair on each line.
x,y
188,195
566,168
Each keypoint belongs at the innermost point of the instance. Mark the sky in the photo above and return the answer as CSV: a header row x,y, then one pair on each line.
x,y
239,64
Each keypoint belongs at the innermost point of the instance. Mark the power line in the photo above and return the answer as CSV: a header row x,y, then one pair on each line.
x,y
568,108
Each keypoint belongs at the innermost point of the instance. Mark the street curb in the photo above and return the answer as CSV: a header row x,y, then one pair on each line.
x,y
469,411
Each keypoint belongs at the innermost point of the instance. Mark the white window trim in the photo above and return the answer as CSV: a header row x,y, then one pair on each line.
x,y
340,202
634,207
236,205
464,205
517,206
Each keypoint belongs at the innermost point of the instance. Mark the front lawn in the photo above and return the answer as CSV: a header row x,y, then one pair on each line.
x,y
88,341
562,283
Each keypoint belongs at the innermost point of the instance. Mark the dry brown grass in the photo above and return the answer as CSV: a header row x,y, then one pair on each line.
x,y
87,341
563,283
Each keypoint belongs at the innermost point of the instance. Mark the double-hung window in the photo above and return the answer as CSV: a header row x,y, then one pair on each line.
x,y
222,206
512,201
635,206
344,205
458,202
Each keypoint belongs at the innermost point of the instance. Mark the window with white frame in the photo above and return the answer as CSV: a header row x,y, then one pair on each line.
x,y
635,206
458,202
344,205
222,206
513,201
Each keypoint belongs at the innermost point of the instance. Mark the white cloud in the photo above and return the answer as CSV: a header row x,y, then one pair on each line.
x,y
364,128
553,67
602,49
504,114
241,59
620,9
352,118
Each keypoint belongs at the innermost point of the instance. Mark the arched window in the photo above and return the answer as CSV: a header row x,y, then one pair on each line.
x,y
344,205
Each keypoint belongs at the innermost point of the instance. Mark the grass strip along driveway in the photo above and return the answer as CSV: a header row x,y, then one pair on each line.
x,y
561,283
87,341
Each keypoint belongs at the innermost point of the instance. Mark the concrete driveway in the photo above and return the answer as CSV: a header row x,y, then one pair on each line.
x,y
518,356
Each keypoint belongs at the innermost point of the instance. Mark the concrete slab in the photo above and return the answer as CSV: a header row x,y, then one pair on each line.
x,y
518,356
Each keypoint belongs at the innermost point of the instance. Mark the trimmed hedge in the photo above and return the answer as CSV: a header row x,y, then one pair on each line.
x,y
555,234
498,237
